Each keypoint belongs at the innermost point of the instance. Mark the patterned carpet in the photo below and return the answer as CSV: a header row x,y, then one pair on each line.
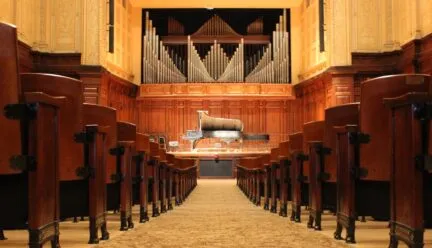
x,y
217,214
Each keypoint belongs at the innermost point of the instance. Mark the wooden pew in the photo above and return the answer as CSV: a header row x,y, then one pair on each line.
x,y
185,174
177,163
29,174
411,178
140,174
106,116
163,168
124,152
258,178
274,165
265,179
364,154
313,134
322,173
154,175
82,174
243,174
282,175
256,166
190,168
247,166
240,176
170,180
298,181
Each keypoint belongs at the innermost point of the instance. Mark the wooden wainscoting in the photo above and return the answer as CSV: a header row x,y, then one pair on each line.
x,y
172,109
330,88
425,56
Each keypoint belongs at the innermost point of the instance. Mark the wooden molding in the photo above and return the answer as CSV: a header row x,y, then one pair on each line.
x,y
216,90
247,39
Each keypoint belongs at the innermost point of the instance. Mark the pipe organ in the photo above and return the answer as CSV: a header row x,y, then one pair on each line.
x,y
216,52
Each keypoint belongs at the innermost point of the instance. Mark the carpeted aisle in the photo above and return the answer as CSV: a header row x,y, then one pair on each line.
x,y
217,214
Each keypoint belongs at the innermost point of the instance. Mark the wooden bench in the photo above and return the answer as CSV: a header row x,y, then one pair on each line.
x,y
247,167
259,171
170,180
82,152
364,157
298,178
283,177
106,117
274,166
154,175
140,175
186,176
411,178
29,155
163,168
313,134
124,152
322,173
242,176
265,179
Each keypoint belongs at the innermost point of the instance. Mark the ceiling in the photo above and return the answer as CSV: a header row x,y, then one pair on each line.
x,y
215,3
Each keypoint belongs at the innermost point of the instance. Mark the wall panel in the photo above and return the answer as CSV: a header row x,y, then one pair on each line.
x,y
172,115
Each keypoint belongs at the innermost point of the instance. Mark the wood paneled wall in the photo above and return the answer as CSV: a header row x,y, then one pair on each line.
x,y
173,117
173,114
425,55
331,88
102,87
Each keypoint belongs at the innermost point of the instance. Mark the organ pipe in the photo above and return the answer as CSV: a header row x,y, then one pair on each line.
x,y
222,62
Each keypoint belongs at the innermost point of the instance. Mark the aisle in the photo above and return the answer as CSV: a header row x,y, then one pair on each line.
x,y
217,214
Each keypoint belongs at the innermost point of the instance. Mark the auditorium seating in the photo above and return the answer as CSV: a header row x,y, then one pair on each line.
x,y
154,175
140,175
170,179
63,158
29,176
106,117
82,175
186,176
124,152
265,179
274,161
313,133
298,182
365,154
364,159
322,173
411,180
163,165
283,177
246,167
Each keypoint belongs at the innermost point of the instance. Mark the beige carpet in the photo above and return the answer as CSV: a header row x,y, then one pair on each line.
x,y
217,214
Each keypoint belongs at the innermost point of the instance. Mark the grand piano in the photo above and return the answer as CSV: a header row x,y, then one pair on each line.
x,y
228,130
220,163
